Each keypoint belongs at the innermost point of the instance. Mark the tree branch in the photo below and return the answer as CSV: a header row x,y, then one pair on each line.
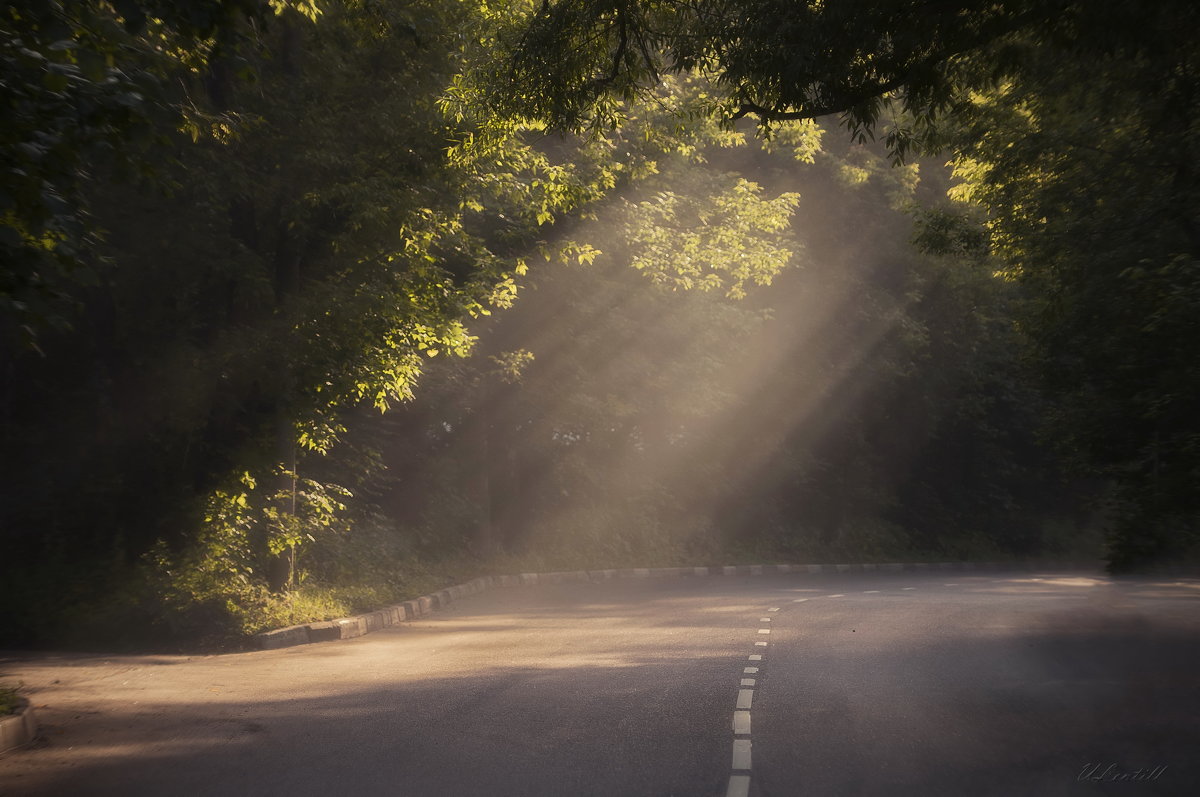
x,y
780,115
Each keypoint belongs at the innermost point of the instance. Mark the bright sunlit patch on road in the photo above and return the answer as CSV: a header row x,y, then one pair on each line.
x,y
732,608
1066,581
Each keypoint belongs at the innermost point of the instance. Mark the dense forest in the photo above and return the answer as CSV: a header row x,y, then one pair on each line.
x,y
309,305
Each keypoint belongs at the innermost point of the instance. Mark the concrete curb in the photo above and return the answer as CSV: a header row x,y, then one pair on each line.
x,y
18,729
358,625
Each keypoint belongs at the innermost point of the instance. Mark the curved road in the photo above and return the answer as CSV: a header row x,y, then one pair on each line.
x,y
854,684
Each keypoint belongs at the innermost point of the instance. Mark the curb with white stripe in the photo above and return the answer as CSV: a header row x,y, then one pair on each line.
x,y
18,729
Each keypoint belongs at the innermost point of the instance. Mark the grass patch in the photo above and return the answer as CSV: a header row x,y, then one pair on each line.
x,y
9,702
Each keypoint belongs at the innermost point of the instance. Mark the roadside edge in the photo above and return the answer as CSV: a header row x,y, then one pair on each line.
x,y
19,729
406,611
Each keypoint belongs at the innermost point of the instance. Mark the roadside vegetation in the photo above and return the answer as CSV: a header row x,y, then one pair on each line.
x,y
311,306
9,702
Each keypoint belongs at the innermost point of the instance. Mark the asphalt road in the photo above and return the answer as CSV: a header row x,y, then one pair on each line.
x,y
868,684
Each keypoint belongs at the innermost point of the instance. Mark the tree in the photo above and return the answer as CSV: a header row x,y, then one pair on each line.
x,y
283,267
1087,170
326,217
92,94
568,421
1073,124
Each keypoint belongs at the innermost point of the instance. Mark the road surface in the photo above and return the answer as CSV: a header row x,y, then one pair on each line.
x,y
796,685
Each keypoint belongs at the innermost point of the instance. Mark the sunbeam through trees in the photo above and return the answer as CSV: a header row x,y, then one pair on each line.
x,y
306,306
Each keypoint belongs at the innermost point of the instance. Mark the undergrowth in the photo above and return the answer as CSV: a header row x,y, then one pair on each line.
x,y
207,601
9,702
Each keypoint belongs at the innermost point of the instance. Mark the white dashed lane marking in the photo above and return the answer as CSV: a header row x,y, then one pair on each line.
x,y
739,784
739,781
741,754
